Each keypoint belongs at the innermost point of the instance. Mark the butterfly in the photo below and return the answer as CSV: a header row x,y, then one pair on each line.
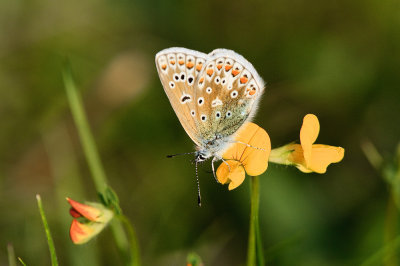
x,y
213,95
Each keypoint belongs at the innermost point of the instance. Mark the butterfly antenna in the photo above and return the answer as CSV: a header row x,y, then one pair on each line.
x,y
198,188
185,153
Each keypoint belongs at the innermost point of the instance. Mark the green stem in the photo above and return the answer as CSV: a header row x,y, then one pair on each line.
x,y
133,240
50,242
259,246
93,158
254,250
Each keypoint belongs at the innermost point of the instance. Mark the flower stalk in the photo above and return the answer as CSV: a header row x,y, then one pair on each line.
x,y
96,168
255,255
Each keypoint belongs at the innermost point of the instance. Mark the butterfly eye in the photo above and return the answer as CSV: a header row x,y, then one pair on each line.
x,y
171,84
234,94
228,114
203,117
200,101
176,77
209,90
218,114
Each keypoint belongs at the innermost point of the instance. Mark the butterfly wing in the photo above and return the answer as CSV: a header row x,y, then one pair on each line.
x,y
178,69
227,92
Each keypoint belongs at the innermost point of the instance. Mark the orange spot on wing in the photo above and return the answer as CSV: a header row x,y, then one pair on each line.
x,y
172,62
243,80
252,92
164,67
181,62
227,67
198,67
235,72
219,67
201,80
189,65
210,72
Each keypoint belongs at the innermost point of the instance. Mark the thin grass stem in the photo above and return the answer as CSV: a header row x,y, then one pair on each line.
x,y
21,261
50,242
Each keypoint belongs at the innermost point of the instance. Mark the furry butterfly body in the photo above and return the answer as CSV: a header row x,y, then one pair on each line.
x,y
213,95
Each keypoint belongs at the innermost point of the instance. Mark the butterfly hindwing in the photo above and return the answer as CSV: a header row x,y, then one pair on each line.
x,y
178,69
227,92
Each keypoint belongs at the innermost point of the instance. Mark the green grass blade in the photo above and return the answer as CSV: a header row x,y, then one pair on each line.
x,y
22,262
85,135
54,261
11,256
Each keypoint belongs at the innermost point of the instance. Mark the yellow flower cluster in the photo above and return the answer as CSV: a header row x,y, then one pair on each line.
x,y
252,151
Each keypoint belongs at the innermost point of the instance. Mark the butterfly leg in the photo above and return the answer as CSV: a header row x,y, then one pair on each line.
x,y
213,169
229,167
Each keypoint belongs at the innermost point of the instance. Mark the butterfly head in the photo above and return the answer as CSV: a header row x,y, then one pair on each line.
x,y
201,157
212,148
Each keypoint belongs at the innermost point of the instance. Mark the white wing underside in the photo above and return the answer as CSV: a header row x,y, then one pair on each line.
x,y
212,95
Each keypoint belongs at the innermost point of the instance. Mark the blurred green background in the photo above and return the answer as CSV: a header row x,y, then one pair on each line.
x,y
337,59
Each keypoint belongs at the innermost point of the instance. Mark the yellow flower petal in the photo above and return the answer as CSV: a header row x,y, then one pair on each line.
x,y
255,158
308,135
296,156
324,155
307,156
232,174
321,157
80,233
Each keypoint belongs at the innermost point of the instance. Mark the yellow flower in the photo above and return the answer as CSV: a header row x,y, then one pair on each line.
x,y
93,217
307,156
242,158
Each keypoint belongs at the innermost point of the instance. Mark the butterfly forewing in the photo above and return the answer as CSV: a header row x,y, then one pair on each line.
x,y
178,69
227,91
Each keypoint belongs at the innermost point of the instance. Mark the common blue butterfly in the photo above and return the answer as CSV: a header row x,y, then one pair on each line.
x,y
212,94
